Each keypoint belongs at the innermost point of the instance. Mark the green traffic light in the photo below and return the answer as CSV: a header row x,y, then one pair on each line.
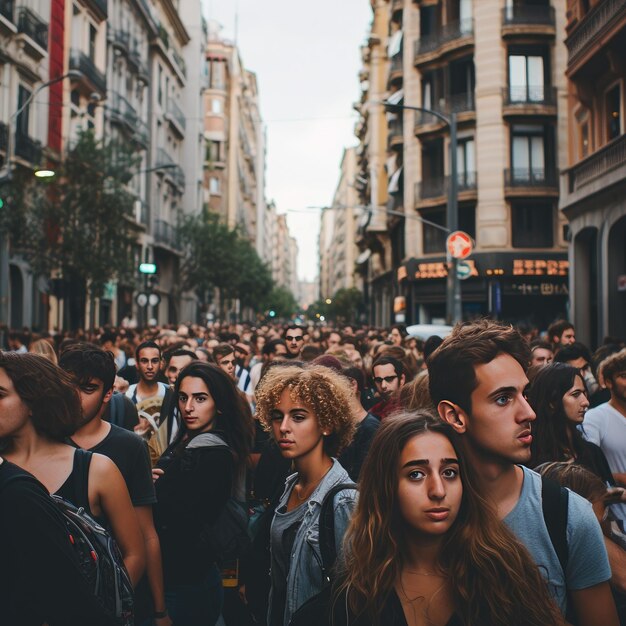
x,y
1,203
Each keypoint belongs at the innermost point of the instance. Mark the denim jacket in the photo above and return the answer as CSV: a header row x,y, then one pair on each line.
x,y
305,573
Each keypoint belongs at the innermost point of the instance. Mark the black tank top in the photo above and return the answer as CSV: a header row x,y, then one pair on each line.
x,y
75,489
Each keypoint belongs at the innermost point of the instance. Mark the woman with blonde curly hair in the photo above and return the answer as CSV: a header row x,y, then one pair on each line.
x,y
308,413
423,546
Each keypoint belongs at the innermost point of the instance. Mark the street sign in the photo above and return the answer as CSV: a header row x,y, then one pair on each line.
x,y
463,270
141,299
459,244
148,268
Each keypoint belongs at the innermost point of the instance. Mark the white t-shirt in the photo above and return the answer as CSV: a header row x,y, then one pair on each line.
x,y
606,427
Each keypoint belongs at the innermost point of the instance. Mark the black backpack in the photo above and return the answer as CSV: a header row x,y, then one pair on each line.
x,y
228,538
316,610
98,556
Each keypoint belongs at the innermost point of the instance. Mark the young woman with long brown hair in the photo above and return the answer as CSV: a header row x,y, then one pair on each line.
x,y
424,548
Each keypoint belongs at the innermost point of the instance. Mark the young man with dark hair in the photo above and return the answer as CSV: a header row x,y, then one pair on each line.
x,y
478,383
561,333
578,355
273,350
175,361
540,353
388,376
294,339
605,425
93,372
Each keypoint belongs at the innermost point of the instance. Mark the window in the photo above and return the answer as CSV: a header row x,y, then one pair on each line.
x,y
214,185
613,113
216,106
160,84
532,224
92,42
526,78
216,73
433,238
528,162
213,151
466,163
23,119
584,139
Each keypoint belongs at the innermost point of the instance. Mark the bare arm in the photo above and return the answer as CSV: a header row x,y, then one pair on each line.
x,y
594,606
154,568
620,478
617,559
112,495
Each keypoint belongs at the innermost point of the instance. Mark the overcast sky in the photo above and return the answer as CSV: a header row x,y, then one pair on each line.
x,y
306,56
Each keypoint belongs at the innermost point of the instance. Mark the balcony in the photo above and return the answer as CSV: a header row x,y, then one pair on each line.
x,y
395,133
136,61
451,36
95,79
594,26
122,111
170,169
529,100
35,30
167,235
524,181
120,39
463,104
435,190
396,70
180,62
176,118
521,19
27,148
591,170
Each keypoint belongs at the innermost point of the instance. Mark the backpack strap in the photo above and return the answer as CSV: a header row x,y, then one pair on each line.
x,y
554,503
328,549
82,461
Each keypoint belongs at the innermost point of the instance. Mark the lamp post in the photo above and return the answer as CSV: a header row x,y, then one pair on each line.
x,y
5,177
454,312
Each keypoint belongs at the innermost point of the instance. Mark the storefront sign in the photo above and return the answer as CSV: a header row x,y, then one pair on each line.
x,y
539,289
540,267
440,270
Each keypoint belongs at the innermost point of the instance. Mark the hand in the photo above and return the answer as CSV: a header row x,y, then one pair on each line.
x,y
242,594
163,621
156,474
615,494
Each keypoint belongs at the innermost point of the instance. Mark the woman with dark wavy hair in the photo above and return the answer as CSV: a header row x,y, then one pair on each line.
x,y
423,547
559,398
194,479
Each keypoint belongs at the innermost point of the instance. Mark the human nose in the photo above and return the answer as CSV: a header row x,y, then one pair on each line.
x,y
188,405
526,412
584,401
284,426
436,488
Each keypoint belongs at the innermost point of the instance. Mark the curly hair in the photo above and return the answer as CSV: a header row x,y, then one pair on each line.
x,y
47,391
491,573
325,391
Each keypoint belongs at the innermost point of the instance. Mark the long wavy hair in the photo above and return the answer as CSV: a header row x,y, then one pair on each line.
x,y
233,418
493,577
551,428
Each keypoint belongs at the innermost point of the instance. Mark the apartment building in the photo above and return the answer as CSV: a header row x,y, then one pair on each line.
x,y
325,243
234,135
24,68
593,186
499,68
338,246
284,256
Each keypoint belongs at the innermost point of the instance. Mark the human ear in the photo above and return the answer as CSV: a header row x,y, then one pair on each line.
x,y
107,396
453,415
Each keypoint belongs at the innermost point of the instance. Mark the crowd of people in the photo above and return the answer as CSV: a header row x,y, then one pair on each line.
x,y
476,479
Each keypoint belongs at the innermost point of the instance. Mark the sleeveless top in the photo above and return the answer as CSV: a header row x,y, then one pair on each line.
x,y
75,489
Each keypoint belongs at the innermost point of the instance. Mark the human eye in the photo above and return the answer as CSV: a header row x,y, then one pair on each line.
x,y
201,399
88,389
299,417
182,398
416,475
503,399
275,416
450,472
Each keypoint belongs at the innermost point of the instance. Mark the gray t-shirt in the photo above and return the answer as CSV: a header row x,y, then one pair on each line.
x,y
283,533
587,564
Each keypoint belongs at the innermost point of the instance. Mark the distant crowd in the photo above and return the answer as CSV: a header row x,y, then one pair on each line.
x,y
285,474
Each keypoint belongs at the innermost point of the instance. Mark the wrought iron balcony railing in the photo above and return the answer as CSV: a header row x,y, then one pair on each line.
x,y
598,164
28,148
171,169
530,177
167,234
174,110
33,26
448,32
439,186
521,14
7,10
457,103
529,94
80,61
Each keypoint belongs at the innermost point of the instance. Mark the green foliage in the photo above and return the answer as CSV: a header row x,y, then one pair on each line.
x,y
345,304
77,223
220,258
281,301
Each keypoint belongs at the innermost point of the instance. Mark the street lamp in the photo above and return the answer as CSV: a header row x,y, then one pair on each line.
x,y
454,312
6,174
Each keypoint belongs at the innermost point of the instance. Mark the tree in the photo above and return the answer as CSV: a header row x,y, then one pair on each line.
x,y
79,224
345,304
281,301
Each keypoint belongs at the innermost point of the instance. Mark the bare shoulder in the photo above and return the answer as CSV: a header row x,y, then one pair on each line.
x,y
102,467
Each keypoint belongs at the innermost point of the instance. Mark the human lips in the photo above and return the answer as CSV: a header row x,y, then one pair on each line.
x,y
285,443
526,437
438,514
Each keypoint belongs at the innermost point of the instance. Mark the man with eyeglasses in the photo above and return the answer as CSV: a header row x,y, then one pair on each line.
x,y
389,378
294,338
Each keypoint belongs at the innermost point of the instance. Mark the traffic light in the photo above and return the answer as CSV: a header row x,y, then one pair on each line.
x,y
272,313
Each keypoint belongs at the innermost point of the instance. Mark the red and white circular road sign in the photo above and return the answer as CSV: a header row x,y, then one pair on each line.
x,y
459,244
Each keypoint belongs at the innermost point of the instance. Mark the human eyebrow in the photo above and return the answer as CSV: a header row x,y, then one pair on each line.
x,y
502,390
416,463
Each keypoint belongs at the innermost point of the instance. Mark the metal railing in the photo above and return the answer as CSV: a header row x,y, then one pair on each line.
x,y
601,16
142,132
33,26
395,129
123,110
81,62
136,60
121,38
396,63
529,94
601,162
438,186
448,32
178,59
529,177
174,110
175,173
520,14
166,233
457,103
28,148
7,10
